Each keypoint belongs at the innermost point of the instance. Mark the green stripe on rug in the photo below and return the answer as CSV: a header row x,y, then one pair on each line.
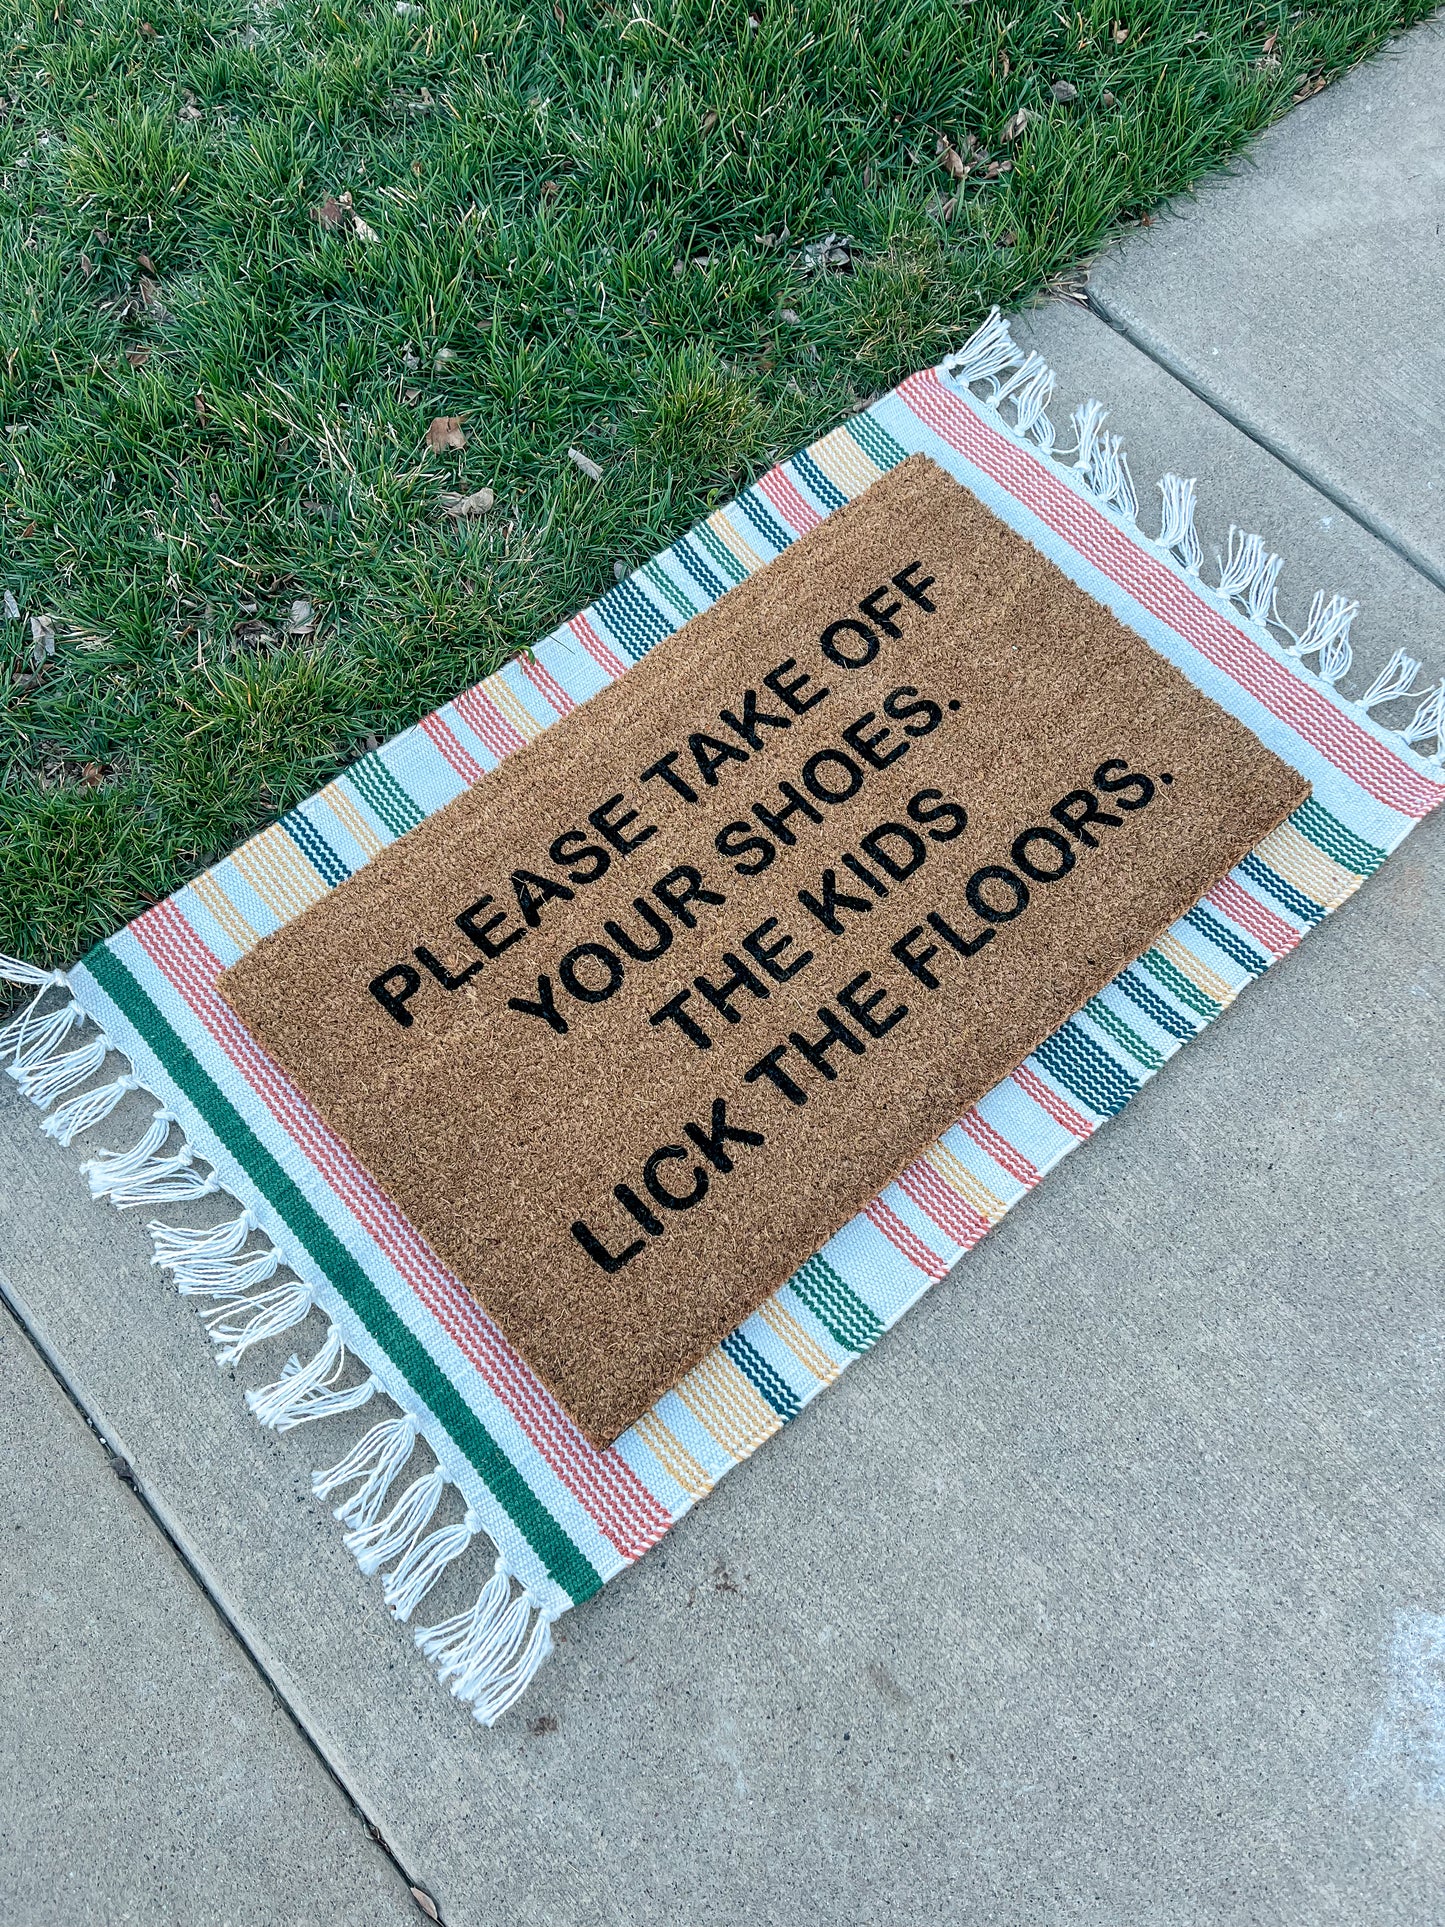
x,y
875,441
718,553
1124,1035
1327,833
666,587
567,1564
1179,985
376,786
836,1306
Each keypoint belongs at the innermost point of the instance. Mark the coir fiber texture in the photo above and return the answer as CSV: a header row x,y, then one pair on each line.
x,y
908,737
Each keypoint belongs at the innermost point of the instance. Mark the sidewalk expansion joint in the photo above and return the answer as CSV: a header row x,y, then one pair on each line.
x,y
125,1471
1356,511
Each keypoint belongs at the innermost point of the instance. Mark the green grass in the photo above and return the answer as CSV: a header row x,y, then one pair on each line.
x,y
588,221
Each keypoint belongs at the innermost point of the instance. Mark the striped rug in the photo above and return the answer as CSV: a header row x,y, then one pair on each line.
x,y
469,1459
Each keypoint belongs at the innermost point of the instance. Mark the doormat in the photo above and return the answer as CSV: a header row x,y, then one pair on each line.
x,y
924,798
474,1466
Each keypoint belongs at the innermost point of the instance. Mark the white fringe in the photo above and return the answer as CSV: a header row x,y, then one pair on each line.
x,y
57,1075
223,1277
987,352
31,1038
408,1584
491,1653
375,1461
177,1244
396,1534
1031,388
1176,530
1428,721
304,1393
238,1322
66,1124
1248,576
1396,679
15,1034
140,1176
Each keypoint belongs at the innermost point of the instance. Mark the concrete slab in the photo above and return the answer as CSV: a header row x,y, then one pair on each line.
x,y
1301,292
1108,1589
146,1773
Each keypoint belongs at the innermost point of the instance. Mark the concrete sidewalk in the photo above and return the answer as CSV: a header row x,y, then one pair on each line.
x,y
1136,1612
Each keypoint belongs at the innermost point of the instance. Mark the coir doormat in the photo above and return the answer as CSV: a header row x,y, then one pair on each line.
x,y
472,1463
630,1030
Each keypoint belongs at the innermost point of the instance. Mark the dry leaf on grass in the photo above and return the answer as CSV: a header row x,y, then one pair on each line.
x,y
833,253
445,432
1064,91
951,158
459,507
338,216
585,462
1307,89
1119,33
709,121
1014,126
42,640
137,357
12,607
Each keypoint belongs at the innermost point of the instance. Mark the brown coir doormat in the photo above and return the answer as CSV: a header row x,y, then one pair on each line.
x,y
629,1029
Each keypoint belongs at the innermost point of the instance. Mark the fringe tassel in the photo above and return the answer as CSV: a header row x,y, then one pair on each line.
x,y
491,1653
408,1584
307,1392
223,1277
986,353
1176,531
66,1124
56,1076
1396,679
1429,721
1102,464
16,1033
238,1323
375,1460
30,1039
1031,388
1326,636
139,1176
181,1243
373,1545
